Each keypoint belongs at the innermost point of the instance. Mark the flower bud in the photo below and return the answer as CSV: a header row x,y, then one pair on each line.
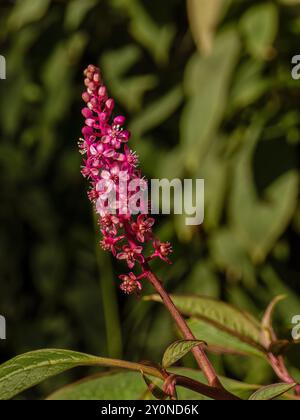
x,y
110,104
85,97
86,112
120,120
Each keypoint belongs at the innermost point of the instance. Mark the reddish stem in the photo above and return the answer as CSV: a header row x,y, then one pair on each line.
x,y
208,391
199,354
278,365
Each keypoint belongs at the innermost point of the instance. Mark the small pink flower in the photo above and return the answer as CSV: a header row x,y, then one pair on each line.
x,y
129,158
109,224
93,195
108,243
116,136
130,284
143,228
131,255
91,168
115,174
162,250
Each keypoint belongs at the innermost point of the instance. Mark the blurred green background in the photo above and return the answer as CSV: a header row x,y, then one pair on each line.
x,y
207,88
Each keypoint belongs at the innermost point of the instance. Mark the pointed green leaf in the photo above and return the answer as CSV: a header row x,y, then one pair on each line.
x,y
27,11
207,88
269,335
230,256
259,26
204,16
221,315
157,112
259,218
178,350
76,12
107,386
221,342
249,84
130,386
156,38
129,90
271,392
27,370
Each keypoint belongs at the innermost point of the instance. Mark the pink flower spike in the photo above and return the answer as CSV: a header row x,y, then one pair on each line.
x,y
110,165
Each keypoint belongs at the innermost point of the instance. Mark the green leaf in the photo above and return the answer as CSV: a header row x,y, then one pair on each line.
x,y
259,25
230,256
107,386
178,350
130,386
219,314
207,88
157,112
128,90
222,342
27,11
260,219
276,286
76,11
27,370
271,392
214,170
204,16
249,85
202,280
269,335
156,38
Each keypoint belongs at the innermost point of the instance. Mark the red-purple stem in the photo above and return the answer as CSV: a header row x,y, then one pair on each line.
x,y
199,353
278,365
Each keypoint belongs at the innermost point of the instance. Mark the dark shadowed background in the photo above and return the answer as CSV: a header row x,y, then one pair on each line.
x,y
210,96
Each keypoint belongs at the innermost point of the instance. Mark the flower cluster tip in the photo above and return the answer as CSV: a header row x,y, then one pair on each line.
x,y
110,165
